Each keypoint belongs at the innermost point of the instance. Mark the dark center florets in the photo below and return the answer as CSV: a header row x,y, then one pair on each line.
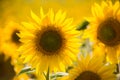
x,y
50,41
88,75
15,37
109,32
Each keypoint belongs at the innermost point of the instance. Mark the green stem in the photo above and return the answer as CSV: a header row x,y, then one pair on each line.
x,y
117,69
48,75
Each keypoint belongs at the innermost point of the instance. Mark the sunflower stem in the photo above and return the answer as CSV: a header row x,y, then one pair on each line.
x,y
117,68
48,75
118,71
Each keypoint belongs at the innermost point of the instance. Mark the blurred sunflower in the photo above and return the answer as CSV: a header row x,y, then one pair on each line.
x,y
10,40
22,77
49,41
0,40
91,68
105,29
6,69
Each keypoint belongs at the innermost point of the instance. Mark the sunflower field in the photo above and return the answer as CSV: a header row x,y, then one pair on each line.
x,y
59,39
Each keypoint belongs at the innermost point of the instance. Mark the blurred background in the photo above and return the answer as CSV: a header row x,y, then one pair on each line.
x,y
19,9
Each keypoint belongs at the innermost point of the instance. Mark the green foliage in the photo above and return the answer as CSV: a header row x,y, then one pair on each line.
x,y
83,25
26,70
58,74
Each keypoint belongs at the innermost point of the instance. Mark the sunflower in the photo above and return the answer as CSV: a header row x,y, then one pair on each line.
x,y
91,68
0,39
22,77
6,69
104,29
10,40
49,41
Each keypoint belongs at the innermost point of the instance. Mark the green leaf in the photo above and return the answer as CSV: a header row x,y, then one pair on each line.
x,y
69,68
83,25
58,74
26,70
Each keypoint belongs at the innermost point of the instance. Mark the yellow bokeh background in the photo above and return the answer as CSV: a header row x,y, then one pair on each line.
x,y
20,9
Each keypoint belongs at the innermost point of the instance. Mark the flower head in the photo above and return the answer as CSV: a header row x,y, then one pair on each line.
x,y
104,29
91,68
49,41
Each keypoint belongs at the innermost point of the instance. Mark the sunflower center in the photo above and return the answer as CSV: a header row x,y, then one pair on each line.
x,y
88,75
15,37
109,32
50,41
